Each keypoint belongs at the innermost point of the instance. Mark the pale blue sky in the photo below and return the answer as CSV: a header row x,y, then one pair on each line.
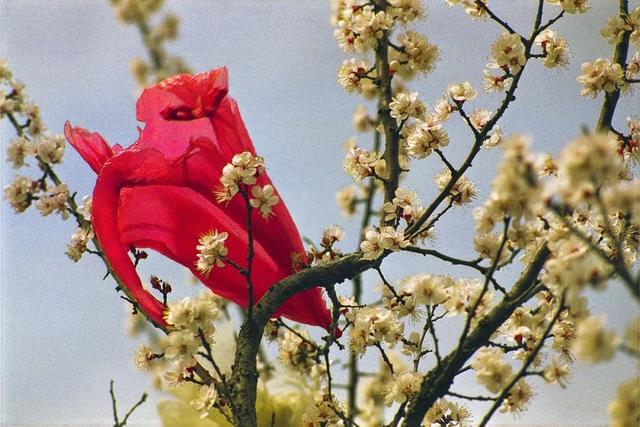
x,y
62,336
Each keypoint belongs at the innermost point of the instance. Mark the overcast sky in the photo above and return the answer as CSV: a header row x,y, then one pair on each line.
x,y
62,333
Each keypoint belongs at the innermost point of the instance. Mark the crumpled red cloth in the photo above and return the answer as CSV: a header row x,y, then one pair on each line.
x,y
159,194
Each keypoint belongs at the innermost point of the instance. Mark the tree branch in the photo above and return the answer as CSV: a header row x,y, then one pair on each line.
x,y
619,57
438,381
244,377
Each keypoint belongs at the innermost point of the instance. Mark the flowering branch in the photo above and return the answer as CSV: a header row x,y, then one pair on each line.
x,y
438,380
619,57
244,377
391,131
563,249
523,369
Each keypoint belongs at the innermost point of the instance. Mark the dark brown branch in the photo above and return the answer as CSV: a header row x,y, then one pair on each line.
x,y
244,378
391,130
493,16
619,57
452,260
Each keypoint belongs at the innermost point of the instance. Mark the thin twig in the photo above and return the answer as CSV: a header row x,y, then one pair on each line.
x,y
531,357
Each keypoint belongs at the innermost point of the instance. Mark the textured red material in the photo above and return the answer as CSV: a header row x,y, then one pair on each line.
x,y
159,194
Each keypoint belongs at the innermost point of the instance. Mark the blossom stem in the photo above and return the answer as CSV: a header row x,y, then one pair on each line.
x,y
493,16
117,422
620,267
465,397
385,357
434,337
250,252
483,133
154,54
391,132
445,161
455,261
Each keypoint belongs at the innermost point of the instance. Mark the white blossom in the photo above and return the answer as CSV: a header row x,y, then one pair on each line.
x,y
508,52
491,369
346,199
264,199
50,149
360,163
462,192
78,243
351,74
376,242
593,343
18,150
20,193
211,250
181,346
421,56
323,412
143,358
405,105
425,137
243,170
601,75
403,387
55,201
428,289
461,92
572,6
206,400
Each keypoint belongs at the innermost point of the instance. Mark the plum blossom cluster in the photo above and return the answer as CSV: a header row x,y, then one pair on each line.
x,y
492,371
240,176
299,353
35,146
366,29
509,53
462,192
572,6
601,75
372,326
515,188
211,251
376,242
554,48
191,331
78,244
617,26
160,64
327,251
604,75
444,412
475,9
360,163
324,412
33,141
405,205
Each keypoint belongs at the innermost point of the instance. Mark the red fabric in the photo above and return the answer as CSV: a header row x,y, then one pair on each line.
x,y
158,194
